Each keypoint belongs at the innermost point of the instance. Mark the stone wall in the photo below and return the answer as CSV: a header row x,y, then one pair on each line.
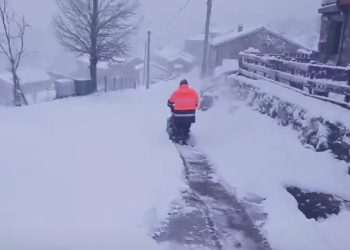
x,y
315,132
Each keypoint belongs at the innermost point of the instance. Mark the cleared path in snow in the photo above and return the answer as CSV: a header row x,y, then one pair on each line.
x,y
217,219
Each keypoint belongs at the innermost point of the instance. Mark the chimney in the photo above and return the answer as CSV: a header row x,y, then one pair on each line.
x,y
240,28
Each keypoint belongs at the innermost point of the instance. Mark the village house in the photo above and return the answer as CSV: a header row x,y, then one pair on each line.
x,y
130,70
229,45
125,67
133,69
334,43
157,72
194,45
174,60
36,85
83,71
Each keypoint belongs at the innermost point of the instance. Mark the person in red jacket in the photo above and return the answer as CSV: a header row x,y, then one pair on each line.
x,y
183,103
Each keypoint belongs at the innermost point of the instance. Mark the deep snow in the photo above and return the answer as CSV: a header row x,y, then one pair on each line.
x,y
255,155
86,173
99,172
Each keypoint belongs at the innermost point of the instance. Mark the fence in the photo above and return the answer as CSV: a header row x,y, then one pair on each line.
x,y
117,83
329,83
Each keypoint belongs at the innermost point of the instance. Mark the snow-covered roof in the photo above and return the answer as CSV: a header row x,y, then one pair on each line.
x,y
199,37
64,80
119,59
125,61
172,54
167,52
26,76
142,65
106,65
139,66
159,67
100,65
233,35
184,56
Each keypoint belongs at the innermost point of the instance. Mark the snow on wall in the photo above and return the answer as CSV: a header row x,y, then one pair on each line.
x,y
319,132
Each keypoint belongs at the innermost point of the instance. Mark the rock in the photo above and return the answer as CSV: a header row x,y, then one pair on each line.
x,y
316,205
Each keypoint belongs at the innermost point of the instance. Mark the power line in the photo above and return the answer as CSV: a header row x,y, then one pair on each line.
x,y
178,12
164,26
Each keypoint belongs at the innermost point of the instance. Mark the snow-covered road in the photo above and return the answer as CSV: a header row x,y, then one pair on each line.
x,y
86,173
100,173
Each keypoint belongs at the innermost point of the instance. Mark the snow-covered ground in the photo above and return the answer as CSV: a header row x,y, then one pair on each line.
x,y
99,172
255,155
86,173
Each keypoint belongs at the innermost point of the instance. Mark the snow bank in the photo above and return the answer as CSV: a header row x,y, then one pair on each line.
x,y
257,156
87,173
228,65
323,125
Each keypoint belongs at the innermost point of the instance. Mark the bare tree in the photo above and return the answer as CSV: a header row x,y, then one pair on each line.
x,y
98,29
12,35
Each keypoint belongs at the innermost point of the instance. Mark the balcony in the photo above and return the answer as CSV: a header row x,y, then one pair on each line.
x,y
329,2
329,7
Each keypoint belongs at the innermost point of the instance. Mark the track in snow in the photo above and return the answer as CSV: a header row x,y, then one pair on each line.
x,y
209,216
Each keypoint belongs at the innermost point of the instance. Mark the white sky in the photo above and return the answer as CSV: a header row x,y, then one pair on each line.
x,y
157,13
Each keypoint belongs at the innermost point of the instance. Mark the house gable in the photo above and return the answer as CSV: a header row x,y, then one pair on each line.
x,y
263,39
234,36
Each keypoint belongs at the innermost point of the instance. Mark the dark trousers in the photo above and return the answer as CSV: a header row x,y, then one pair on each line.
x,y
181,126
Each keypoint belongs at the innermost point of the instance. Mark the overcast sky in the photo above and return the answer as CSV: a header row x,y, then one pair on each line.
x,y
156,15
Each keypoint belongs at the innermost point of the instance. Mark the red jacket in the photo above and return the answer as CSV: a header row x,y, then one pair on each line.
x,y
184,100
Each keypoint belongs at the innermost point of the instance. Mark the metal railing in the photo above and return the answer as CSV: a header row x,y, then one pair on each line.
x,y
332,83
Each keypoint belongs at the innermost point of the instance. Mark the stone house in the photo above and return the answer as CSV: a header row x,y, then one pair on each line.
x,y
229,45
334,42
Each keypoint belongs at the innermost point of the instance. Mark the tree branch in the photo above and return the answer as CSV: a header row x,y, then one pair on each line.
x,y
12,46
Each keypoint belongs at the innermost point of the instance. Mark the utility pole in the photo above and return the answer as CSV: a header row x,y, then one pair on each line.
x,y
144,65
206,41
148,59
